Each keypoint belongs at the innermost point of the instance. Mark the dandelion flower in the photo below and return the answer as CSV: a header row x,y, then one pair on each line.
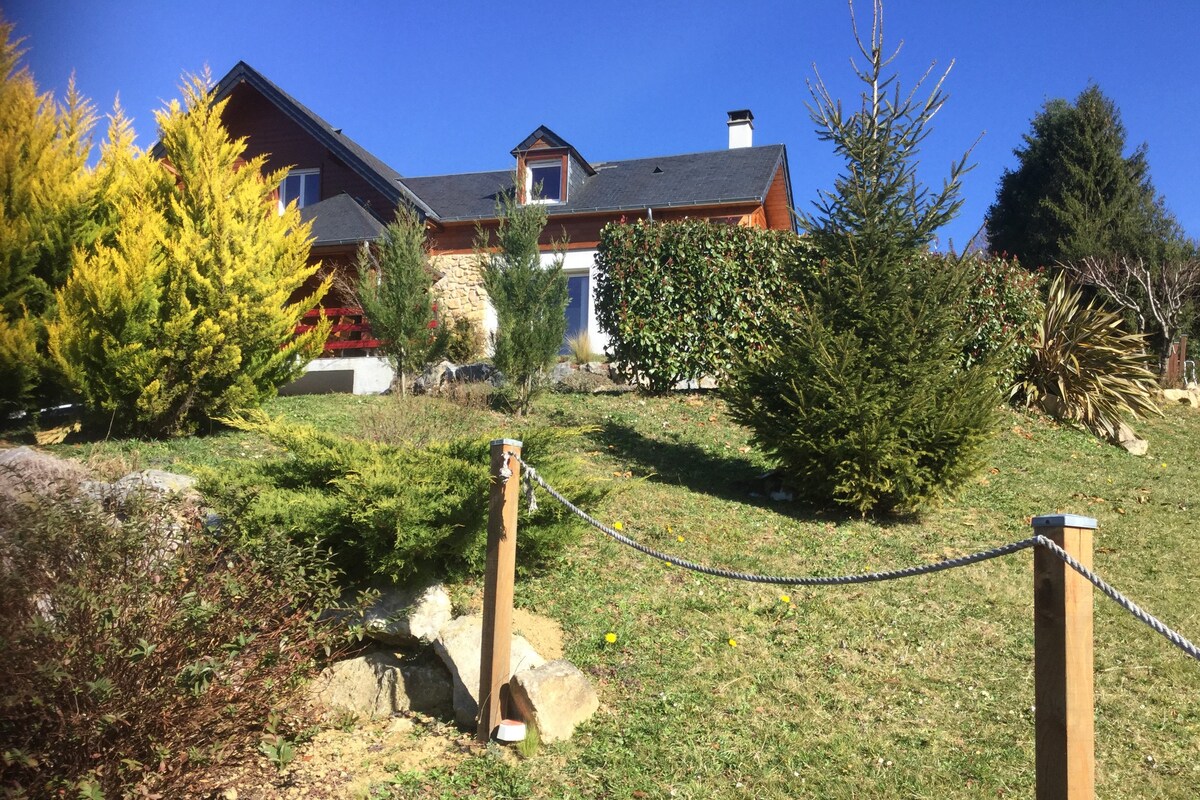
x,y
679,538
785,598
733,642
618,526
610,637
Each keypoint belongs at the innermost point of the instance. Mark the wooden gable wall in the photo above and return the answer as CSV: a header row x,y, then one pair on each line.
x,y
268,131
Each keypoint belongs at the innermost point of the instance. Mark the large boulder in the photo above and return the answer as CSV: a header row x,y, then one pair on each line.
x,y
1189,396
408,616
1130,442
554,698
460,645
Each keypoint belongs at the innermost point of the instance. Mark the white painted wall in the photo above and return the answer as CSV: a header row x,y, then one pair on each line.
x,y
372,374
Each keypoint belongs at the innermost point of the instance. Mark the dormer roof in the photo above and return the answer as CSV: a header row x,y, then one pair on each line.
x,y
543,138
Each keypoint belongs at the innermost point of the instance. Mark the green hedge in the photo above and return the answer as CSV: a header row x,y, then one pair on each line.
x,y
681,300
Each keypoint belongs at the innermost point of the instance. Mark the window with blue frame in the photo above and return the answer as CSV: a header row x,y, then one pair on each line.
x,y
577,307
301,185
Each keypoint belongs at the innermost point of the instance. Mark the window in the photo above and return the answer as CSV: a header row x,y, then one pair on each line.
x,y
577,308
544,181
301,185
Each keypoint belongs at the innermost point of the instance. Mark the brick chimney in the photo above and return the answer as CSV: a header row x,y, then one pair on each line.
x,y
741,128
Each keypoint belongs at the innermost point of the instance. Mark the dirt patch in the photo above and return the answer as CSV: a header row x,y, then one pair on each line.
x,y
543,633
349,763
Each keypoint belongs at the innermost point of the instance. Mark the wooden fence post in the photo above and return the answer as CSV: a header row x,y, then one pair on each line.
x,y
494,664
1064,716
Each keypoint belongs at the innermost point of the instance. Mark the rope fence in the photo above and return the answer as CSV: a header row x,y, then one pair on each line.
x,y
1063,641
530,476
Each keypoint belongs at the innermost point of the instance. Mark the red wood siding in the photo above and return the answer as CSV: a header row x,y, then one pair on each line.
x,y
778,212
583,231
270,132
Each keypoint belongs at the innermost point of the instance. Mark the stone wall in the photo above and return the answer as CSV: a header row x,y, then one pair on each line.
x,y
461,287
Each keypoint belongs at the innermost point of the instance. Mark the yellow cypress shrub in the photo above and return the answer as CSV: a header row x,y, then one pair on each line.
x,y
184,313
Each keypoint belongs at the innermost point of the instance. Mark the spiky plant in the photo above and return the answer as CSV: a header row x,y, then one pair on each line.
x,y
1085,366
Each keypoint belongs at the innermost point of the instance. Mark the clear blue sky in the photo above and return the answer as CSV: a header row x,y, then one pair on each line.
x,y
446,86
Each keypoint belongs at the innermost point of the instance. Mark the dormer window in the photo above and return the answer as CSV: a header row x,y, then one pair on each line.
x,y
544,180
302,186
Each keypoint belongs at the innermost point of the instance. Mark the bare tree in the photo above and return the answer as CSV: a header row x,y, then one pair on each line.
x,y
1157,293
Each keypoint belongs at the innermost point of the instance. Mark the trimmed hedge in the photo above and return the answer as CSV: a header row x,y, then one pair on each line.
x,y
681,300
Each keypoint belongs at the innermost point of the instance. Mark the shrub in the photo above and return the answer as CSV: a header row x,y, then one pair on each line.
x,y
137,653
530,298
396,510
866,405
681,300
395,289
466,341
185,314
1085,367
1003,305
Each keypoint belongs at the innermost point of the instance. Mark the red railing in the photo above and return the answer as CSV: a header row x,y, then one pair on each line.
x,y
349,331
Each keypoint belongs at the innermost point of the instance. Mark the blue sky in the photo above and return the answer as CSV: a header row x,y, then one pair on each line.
x,y
445,86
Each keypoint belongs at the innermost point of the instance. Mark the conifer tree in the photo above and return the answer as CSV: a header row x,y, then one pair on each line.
x,y
862,397
395,288
1075,194
530,297
185,312
45,212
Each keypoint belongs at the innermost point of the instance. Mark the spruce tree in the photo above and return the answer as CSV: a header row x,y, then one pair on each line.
x,y
186,311
530,298
45,213
1075,194
861,397
395,288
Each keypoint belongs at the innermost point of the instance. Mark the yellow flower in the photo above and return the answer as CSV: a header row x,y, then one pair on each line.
x,y
618,526
1164,465
679,538
610,637
733,642
785,598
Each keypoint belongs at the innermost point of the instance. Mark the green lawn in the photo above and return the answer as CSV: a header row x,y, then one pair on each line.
x,y
916,688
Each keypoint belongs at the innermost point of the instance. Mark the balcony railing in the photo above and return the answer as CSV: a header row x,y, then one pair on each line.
x,y
349,330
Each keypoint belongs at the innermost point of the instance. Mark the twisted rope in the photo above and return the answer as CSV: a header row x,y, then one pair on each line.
x,y
531,476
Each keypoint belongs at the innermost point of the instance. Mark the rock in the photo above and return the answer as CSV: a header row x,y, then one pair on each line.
x,y
581,382
1129,441
560,372
1188,396
26,473
478,373
459,646
404,616
156,480
596,368
379,684
365,685
554,697
433,377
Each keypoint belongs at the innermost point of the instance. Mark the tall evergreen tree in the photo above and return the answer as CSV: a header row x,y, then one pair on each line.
x,y
530,298
184,312
1075,194
45,212
395,288
862,399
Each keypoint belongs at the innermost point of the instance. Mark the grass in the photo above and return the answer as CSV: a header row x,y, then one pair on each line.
x,y
916,688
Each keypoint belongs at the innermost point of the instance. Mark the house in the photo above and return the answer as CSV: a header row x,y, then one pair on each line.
x,y
349,195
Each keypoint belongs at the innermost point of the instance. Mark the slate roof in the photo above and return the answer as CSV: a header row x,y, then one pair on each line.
x,y
374,171
341,220
741,175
